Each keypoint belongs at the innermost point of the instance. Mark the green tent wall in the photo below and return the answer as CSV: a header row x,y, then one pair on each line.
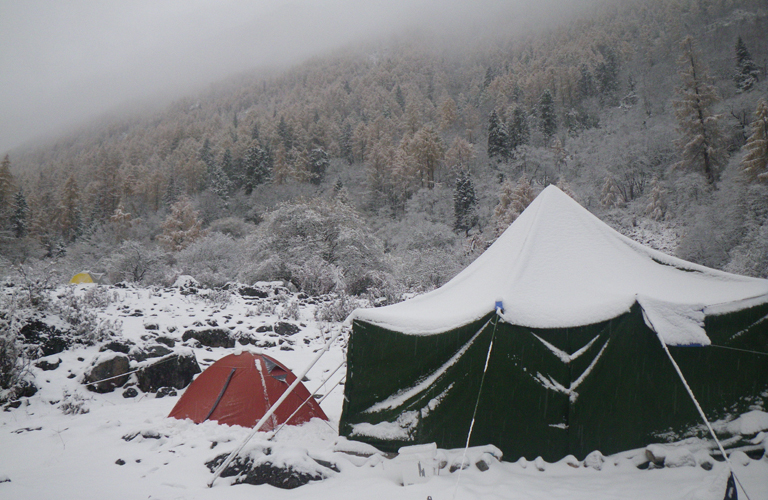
x,y
559,386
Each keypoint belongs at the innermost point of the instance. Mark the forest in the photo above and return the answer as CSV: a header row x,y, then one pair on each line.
x,y
387,167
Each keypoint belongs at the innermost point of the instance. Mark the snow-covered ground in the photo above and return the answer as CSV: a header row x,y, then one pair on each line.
x,y
116,447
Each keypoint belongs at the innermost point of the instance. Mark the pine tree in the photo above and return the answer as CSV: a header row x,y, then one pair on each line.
x,y
345,144
701,144
498,137
547,114
656,208
746,74
585,87
70,219
6,187
610,196
755,161
318,164
464,203
607,73
519,134
19,215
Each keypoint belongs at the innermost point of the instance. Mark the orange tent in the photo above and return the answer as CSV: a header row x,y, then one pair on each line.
x,y
239,389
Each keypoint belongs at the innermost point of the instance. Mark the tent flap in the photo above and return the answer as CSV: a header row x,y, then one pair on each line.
x,y
676,324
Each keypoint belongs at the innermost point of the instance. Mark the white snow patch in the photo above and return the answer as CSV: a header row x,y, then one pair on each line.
x,y
749,423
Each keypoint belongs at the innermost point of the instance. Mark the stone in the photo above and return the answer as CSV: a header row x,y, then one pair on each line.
x,y
265,472
249,291
286,329
168,341
47,365
175,370
212,337
116,346
165,391
48,339
130,392
594,460
109,365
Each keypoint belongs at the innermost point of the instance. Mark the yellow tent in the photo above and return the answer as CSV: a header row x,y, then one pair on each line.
x,y
84,277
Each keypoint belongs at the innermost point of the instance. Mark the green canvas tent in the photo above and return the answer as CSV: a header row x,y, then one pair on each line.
x,y
572,319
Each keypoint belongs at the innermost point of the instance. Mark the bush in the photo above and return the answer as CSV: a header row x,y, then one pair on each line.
x,y
136,263
212,260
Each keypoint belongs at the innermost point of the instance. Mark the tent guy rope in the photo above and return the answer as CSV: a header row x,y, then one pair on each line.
x,y
273,408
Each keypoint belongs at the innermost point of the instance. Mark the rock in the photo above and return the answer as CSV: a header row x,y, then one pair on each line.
x,y
165,391
249,291
670,456
130,392
175,370
739,458
250,472
109,365
166,340
286,329
151,326
212,337
157,351
48,364
116,346
594,460
120,461
264,328
47,338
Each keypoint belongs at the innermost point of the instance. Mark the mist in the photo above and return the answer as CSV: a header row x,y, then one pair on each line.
x,y
64,63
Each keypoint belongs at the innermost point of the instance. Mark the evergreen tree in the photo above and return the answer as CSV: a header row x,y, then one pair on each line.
x,y
519,134
285,133
227,166
257,165
498,137
547,114
755,161
585,87
318,164
701,142
607,73
70,219
6,187
399,97
19,215
255,132
345,144
464,203
746,74
206,155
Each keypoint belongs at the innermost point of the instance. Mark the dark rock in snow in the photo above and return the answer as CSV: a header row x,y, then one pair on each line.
x,y
174,370
165,391
48,365
120,461
266,473
122,347
157,351
286,329
249,291
47,338
166,340
151,326
130,392
112,366
213,337
264,328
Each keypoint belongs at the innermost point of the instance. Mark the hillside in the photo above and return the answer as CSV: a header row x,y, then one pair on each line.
x,y
413,154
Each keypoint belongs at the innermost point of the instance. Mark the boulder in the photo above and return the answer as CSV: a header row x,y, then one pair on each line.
x,y
264,471
175,370
47,338
48,364
286,329
109,370
130,392
116,346
211,337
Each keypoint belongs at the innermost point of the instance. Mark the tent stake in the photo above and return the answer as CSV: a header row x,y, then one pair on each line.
x,y
272,410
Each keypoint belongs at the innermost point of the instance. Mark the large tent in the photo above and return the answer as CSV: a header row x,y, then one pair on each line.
x,y
239,388
572,321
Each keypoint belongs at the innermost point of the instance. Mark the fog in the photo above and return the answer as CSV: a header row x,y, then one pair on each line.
x,y
63,63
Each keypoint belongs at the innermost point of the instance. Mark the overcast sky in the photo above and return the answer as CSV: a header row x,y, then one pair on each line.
x,y
63,62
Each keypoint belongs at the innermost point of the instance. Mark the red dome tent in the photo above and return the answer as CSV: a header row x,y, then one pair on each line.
x,y
239,389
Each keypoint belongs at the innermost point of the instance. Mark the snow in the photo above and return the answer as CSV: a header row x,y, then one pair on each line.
x,y
558,266
65,442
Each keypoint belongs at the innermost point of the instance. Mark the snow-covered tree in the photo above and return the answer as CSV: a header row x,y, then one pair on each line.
x,y
6,186
498,137
70,216
428,151
519,134
701,142
464,203
755,161
181,227
610,195
547,117
747,73
513,200
19,213
318,164
656,207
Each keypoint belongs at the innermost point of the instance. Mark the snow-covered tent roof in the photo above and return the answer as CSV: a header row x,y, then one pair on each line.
x,y
559,266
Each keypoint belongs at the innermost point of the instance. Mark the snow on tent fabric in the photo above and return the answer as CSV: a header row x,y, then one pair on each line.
x,y
577,364
240,388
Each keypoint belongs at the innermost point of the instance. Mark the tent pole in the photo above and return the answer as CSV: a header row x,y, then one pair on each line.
x,y
701,413
272,409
